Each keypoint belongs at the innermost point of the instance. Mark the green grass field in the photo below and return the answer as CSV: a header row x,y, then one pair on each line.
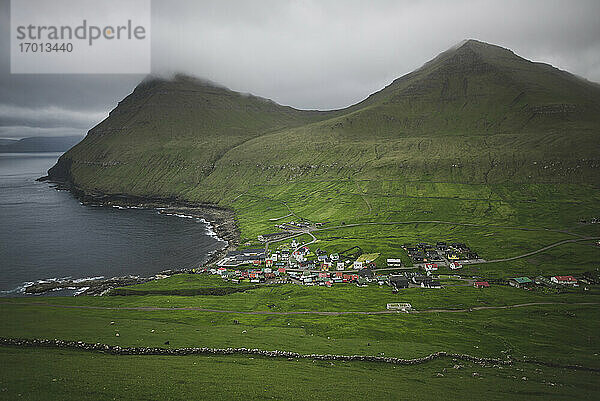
x,y
534,331
478,146
566,334
62,374
340,297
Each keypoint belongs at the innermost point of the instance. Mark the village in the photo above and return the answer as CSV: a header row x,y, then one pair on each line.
x,y
293,262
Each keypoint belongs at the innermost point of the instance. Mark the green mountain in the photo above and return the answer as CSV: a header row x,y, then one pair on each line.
x,y
476,113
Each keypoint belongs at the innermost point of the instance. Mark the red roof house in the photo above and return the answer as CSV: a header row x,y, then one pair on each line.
x,y
564,280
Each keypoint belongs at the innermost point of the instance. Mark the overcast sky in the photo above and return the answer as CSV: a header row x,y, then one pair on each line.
x,y
307,54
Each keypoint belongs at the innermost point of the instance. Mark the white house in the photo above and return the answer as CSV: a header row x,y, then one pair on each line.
x,y
358,265
394,262
299,257
565,280
400,306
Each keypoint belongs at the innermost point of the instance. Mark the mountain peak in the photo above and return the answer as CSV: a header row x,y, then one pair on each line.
x,y
470,52
473,42
483,49
178,80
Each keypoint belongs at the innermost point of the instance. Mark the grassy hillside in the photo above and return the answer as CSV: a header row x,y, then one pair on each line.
x,y
477,113
563,334
165,137
477,135
478,146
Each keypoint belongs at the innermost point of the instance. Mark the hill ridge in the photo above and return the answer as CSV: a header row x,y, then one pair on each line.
x,y
475,113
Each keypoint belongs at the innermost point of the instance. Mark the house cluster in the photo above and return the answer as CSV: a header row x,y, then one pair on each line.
x,y
412,279
442,253
293,225
528,283
326,278
295,257
296,263
554,281
252,275
293,264
282,275
361,277
254,257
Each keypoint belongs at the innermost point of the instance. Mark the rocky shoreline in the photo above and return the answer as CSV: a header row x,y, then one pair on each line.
x,y
92,286
97,285
221,221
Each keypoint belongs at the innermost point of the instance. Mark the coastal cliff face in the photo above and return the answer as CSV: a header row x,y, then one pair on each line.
x,y
164,139
476,113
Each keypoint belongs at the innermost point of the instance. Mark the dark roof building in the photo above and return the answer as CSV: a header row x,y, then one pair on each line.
x,y
366,273
399,281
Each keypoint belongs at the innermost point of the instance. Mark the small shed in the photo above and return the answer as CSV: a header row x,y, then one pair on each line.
x,y
431,284
520,282
394,262
400,306
399,281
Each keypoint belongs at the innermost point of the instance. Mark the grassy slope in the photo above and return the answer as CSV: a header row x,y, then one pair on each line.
x,y
538,332
163,139
479,114
73,375
475,136
476,114
344,297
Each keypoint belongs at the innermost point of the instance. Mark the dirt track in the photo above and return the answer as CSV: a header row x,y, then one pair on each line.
x,y
325,313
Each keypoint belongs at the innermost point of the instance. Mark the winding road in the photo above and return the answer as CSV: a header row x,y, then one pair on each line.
x,y
581,238
542,249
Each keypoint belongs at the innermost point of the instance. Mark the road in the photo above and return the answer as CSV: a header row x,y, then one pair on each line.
x,y
448,223
312,229
541,249
324,313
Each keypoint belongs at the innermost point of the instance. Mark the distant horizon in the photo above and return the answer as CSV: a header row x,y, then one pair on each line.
x,y
52,136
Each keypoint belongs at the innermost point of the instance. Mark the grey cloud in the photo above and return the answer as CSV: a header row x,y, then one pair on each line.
x,y
49,116
315,53
329,54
